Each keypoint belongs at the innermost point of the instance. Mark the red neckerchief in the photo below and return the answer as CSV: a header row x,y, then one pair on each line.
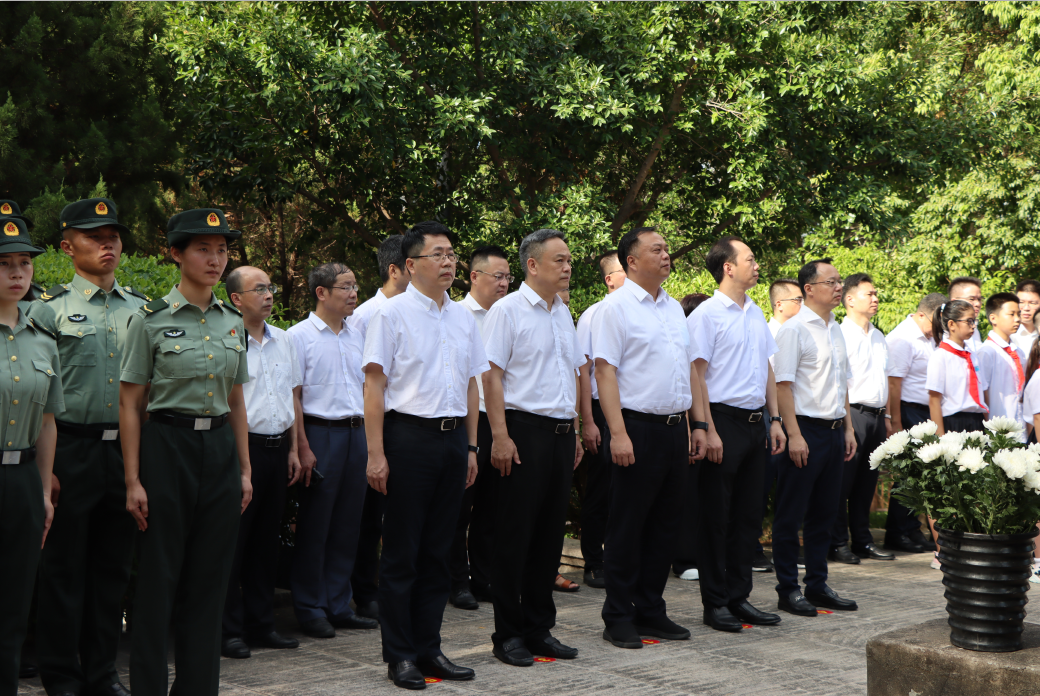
x,y
1020,375
973,379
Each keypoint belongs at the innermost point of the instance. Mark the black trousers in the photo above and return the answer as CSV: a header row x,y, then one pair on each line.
x,y
858,483
424,493
472,549
595,504
768,479
963,422
808,494
84,568
646,504
729,515
902,520
249,605
364,581
529,525
688,537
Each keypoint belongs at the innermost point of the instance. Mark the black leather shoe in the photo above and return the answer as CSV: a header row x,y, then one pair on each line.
x,y
274,640
594,578
829,599
904,543
462,598
721,619
443,668
761,564
748,614
873,553
796,603
354,621
843,554
234,648
28,670
368,609
406,675
661,627
318,628
513,652
550,647
623,635
115,689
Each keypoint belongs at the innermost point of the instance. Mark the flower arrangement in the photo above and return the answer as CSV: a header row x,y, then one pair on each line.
x,y
981,482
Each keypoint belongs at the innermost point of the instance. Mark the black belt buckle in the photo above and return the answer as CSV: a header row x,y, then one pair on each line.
x,y
835,424
273,441
755,417
881,411
563,428
355,421
448,424
674,419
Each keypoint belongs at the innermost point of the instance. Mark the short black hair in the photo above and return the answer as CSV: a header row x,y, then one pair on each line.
x,y
604,262
853,282
1028,285
532,244
415,237
629,240
389,254
324,276
996,301
485,253
774,288
963,280
721,253
692,302
810,272
930,302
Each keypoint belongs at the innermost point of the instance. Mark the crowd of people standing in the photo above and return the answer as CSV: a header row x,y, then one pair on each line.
x,y
433,444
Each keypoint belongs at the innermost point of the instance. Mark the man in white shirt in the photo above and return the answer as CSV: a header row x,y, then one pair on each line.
x,y
1002,363
274,372
1028,292
647,382
364,579
423,355
786,298
812,373
473,547
332,448
969,289
868,398
596,437
910,346
732,346
531,395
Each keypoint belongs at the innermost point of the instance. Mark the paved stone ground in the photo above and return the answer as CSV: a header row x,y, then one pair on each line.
x,y
820,655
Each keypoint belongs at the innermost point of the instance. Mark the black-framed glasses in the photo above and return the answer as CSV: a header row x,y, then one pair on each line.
x,y
499,277
262,290
798,300
831,283
438,257
969,322
348,288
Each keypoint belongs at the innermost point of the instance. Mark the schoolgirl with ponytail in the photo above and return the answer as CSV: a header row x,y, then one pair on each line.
x,y
954,382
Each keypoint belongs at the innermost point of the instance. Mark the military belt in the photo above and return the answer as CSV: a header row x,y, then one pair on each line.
x,y
184,420
19,456
90,431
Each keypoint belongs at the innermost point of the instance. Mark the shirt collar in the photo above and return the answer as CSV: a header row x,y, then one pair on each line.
x,y
812,316
472,304
318,323
268,336
82,286
1001,343
642,295
427,303
1022,331
179,302
966,348
728,302
531,296
847,321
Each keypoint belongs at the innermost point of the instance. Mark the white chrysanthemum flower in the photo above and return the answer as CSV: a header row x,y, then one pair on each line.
x,y
1034,447
955,439
976,439
919,431
1032,481
971,459
1003,424
931,452
897,443
1031,459
1011,461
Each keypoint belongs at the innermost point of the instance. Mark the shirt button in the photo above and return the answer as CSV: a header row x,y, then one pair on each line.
x,y
203,321
209,357
109,406
206,337
17,379
14,358
110,329
176,347
207,411
79,333
110,380
12,422
176,305
15,402
209,393
111,355
211,376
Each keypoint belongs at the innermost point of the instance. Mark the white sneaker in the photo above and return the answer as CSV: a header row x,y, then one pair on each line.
x,y
1034,577
935,561
692,574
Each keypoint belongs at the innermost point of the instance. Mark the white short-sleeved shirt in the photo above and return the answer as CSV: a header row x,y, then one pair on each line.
x,y
774,328
648,342
999,372
1031,398
364,311
330,368
427,354
1024,339
537,347
479,313
584,331
274,371
909,351
811,355
948,375
868,357
737,344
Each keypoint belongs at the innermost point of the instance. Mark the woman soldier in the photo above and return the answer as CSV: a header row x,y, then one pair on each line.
x,y
30,395
187,467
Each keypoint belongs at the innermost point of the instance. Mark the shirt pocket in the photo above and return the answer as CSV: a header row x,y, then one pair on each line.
x,y
282,380
43,373
232,353
176,358
77,345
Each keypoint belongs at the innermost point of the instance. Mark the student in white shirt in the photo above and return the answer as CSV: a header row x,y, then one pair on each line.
x,y
868,399
1002,363
955,387
1028,292
969,289
274,371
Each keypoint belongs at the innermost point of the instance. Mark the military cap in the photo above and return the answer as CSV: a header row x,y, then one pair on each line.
x,y
91,213
196,223
9,208
15,238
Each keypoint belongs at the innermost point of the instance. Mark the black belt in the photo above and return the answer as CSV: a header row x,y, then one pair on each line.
x,y
90,431
19,456
870,409
351,422
823,422
443,424
670,419
744,414
271,441
556,425
913,404
183,420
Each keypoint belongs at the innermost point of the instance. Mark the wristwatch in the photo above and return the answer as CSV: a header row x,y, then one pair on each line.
x,y
776,419
699,425
474,449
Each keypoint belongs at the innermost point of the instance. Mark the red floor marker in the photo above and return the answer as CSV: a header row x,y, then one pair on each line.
x,y
650,641
545,659
745,625
824,611
432,680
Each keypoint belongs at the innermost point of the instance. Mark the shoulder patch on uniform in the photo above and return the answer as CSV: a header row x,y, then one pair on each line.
x,y
135,293
42,330
155,306
53,292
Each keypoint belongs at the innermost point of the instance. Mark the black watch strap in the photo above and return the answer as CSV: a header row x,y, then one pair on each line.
x,y
474,449
699,425
776,419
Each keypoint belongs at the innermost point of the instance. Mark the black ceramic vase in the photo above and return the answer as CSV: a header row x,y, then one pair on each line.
x,y
986,578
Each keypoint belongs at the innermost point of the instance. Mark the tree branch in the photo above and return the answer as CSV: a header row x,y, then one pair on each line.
x,y
720,228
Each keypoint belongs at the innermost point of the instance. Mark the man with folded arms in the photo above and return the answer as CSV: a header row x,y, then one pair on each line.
x,y
423,355
647,382
531,395
732,345
812,373
274,372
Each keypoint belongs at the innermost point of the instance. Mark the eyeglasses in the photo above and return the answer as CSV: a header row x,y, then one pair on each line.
x,y
797,300
348,288
262,290
831,283
438,257
1029,304
969,322
499,277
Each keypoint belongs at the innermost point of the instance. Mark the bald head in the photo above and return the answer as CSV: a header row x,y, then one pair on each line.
x,y
244,278
241,283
